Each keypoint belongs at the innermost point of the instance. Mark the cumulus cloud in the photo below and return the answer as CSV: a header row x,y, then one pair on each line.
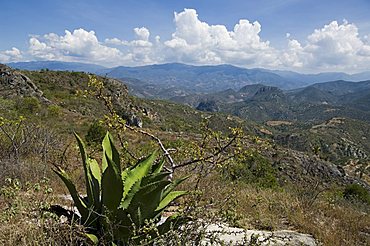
x,y
333,47
10,55
79,45
195,41
138,51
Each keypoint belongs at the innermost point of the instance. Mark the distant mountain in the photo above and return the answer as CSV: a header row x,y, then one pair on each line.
x,y
308,79
314,103
57,65
175,79
189,79
200,79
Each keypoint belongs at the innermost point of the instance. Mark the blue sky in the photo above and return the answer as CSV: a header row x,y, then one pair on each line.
x,y
300,35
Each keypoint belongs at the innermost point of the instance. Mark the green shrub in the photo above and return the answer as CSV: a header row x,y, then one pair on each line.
x,y
95,133
252,167
28,105
123,206
357,192
54,111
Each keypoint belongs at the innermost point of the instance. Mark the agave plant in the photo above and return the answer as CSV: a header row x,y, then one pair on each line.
x,y
121,202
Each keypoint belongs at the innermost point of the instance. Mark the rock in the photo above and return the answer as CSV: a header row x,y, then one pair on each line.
x,y
208,106
132,120
14,83
221,234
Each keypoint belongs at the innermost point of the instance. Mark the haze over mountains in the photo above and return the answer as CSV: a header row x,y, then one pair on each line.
x,y
175,79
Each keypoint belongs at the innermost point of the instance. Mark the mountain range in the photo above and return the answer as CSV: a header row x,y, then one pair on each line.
x,y
256,94
175,79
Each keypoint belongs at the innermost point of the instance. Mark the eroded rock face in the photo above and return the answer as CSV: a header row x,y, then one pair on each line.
x,y
14,83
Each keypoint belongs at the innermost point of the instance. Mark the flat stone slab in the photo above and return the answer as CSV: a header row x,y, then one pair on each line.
x,y
221,234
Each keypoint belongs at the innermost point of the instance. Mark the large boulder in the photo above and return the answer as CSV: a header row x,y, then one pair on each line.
x,y
14,84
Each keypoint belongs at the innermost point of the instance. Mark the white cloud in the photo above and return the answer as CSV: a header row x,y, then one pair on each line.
x,y
334,47
10,55
195,41
138,51
79,45
142,33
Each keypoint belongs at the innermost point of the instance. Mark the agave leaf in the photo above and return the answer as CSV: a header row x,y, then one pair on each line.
x,y
173,185
169,198
78,202
154,177
157,168
112,187
137,173
148,199
95,170
125,202
93,238
109,150
88,178
96,182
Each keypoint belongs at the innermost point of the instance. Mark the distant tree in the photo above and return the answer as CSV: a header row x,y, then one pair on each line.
x,y
95,134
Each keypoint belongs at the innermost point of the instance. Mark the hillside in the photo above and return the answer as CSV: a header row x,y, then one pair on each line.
x,y
258,102
302,109
277,178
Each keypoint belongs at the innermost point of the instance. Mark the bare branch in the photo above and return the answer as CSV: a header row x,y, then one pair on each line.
x,y
207,158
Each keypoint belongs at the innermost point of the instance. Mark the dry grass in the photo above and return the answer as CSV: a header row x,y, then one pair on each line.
x,y
328,217
24,221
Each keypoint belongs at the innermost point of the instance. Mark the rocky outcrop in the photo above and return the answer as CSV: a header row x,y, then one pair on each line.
x,y
208,106
14,83
299,167
221,234
133,120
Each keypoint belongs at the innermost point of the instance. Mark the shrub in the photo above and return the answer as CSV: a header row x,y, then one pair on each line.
x,y
95,133
54,111
252,167
356,191
28,105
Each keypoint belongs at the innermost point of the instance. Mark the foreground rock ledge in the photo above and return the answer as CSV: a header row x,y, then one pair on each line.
x,y
221,234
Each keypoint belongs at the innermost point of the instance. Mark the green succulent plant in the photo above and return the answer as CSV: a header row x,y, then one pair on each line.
x,y
119,203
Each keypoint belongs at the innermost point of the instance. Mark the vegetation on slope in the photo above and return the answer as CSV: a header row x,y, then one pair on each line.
x,y
237,177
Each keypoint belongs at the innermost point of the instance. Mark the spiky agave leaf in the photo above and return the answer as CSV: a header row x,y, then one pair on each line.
x,y
153,177
112,186
157,168
88,179
95,174
168,199
110,150
132,176
173,185
78,201
147,199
